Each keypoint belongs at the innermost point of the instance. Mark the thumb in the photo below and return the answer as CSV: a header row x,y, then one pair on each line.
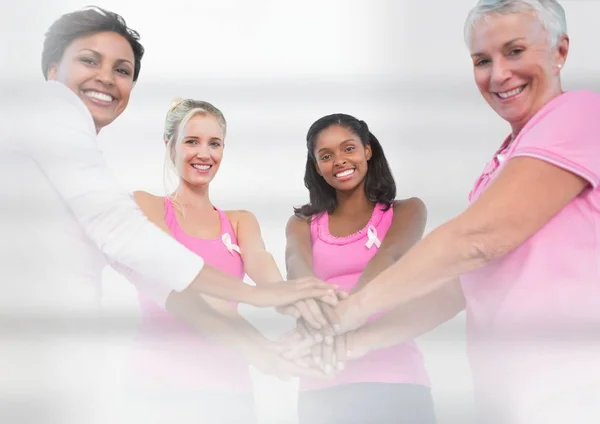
x,y
342,295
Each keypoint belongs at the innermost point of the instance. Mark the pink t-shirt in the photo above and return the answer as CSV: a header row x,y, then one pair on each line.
x,y
169,355
531,312
341,261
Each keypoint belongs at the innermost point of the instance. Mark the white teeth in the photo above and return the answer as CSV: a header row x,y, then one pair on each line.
x,y
99,96
345,173
201,167
511,93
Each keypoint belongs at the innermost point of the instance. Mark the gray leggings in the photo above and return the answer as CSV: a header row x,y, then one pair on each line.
x,y
372,403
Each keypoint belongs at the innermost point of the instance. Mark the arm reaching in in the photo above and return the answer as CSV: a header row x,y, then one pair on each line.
x,y
66,152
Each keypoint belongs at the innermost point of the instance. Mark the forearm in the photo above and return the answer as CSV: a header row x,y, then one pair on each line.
x,y
373,269
438,259
230,330
261,267
298,267
216,283
412,320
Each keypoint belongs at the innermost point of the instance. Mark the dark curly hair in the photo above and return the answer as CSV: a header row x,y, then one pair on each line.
x,y
380,186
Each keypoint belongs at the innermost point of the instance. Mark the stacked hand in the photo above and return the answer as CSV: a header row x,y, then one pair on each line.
x,y
321,341
290,292
268,358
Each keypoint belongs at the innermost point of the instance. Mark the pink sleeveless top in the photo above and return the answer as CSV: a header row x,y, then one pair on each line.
x,y
341,261
175,357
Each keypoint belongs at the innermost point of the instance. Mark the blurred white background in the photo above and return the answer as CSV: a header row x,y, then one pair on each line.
x,y
273,68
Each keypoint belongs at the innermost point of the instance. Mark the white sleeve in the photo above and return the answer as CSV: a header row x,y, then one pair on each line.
x,y
64,146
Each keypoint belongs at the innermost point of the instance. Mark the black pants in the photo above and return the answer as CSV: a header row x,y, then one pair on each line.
x,y
367,403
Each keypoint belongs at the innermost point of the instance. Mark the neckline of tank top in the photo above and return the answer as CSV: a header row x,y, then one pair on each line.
x,y
325,235
222,229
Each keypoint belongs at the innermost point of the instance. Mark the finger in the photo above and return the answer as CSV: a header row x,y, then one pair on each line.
x,y
291,336
314,283
300,352
314,333
306,313
341,351
314,292
296,294
328,338
342,295
301,329
316,311
353,349
308,332
330,315
294,354
299,348
327,358
304,343
329,290
290,310
317,355
330,299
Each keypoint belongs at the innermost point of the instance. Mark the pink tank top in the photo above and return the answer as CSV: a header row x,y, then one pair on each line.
x,y
341,261
173,356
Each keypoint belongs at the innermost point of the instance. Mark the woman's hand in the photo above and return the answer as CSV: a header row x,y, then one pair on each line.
x,y
349,315
267,357
289,292
306,344
319,314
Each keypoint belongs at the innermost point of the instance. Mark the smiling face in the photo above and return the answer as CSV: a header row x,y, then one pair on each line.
x,y
515,67
341,158
99,69
199,151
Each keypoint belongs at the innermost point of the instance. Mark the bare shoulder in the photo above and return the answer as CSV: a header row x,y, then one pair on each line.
x,y
411,211
145,198
239,213
412,206
152,206
297,223
241,218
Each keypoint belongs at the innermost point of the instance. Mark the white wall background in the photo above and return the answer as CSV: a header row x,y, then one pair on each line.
x,y
274,67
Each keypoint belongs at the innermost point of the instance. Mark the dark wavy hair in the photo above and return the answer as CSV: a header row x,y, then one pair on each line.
x,y
81,23
380,186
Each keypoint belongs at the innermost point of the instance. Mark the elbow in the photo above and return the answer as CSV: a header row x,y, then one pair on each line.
x,y
291,259
255,262
483,250
480,247
257,257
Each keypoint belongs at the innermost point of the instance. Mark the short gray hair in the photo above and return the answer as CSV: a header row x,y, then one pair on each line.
x,y
549,12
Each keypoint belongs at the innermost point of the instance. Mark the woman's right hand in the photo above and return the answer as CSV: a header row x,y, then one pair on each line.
x,y
318,313
266,356
289,292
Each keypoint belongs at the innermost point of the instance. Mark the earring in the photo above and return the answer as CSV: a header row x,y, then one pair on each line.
x,y
559,66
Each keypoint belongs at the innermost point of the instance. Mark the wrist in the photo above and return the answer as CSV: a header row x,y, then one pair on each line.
x,y
249,294
362,341
359,306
